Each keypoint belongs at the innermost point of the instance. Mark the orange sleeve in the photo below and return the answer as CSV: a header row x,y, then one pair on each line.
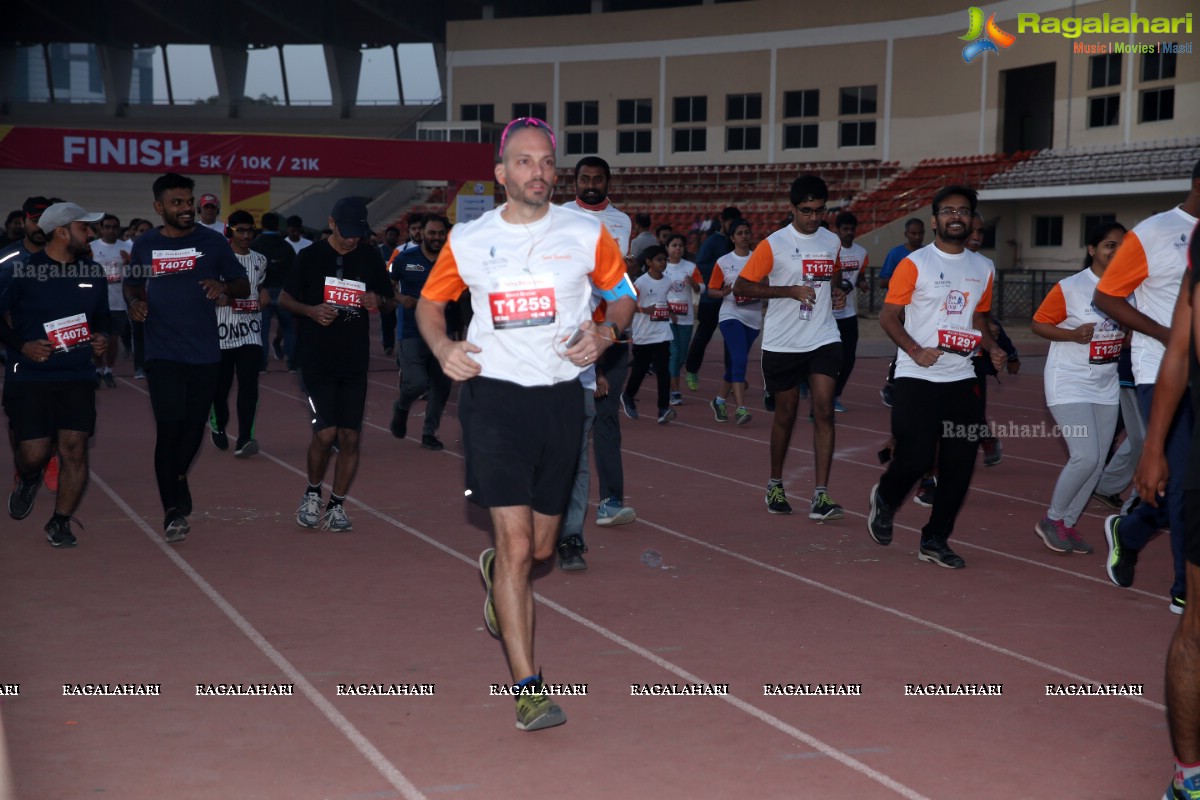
x,y
718,277
1127,269
866,258
444,284
610,264
903,282
599,311
761,262
985,300
391,258
1053,309
697,278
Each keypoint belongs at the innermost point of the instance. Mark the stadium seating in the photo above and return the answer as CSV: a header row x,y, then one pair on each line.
x,y
1162,160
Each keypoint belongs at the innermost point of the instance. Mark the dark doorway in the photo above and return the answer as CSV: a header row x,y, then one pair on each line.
x,y
1028,95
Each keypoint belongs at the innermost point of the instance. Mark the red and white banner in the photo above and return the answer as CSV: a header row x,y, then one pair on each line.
x,y
265,155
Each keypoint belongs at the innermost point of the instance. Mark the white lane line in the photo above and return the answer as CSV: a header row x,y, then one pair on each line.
x,y
771,720
371,753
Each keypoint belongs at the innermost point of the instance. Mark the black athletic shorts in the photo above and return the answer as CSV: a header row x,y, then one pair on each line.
x,y
337,400
521,442
36,410
181,392
784,371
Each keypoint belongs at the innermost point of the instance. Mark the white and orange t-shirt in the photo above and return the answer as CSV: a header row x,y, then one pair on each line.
x,y
941,292
746,310
652,324
853,260
1076,372
617,222
680,297
531,288
1149,264
789,258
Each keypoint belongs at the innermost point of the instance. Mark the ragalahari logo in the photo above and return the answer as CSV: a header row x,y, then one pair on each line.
x,y
982,37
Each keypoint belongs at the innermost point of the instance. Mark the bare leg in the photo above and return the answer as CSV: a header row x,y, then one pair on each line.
x,y
522,537
347,461
318,454
823,431
32,455
786,404
1183,667
73,471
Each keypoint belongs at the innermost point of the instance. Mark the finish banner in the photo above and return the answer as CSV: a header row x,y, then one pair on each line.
x,y
266,155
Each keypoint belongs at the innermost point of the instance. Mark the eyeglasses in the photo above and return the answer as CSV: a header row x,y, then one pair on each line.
x,y
961,211
811,212
528,122
243,230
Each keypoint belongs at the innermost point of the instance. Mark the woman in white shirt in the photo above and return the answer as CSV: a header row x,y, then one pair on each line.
x,y
1081,386
740,320
680,273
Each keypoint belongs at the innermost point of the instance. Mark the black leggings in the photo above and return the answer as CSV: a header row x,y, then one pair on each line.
x,y
658,354
243,361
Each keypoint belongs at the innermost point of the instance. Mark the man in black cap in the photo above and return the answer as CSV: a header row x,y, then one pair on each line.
x,y
54,318
331,286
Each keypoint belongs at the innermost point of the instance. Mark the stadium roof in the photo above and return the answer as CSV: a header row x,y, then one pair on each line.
x,y
349,23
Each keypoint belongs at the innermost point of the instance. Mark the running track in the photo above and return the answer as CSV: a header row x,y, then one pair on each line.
x,y
741,598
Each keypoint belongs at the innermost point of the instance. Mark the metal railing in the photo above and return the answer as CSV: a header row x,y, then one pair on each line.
x,y
1016,294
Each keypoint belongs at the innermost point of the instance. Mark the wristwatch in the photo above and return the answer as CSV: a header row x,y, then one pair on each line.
x,y
616,332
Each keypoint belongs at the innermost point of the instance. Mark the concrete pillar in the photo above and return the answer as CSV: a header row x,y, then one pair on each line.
x,y
9,91
344,66
116,69
229,66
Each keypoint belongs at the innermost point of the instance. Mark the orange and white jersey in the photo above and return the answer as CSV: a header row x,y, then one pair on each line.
x,y
853,260
941,292
616,222
788,258
746,310
652,295
1149,264
1076,372
680,296
531,288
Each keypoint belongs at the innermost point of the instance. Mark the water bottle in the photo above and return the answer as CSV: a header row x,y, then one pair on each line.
x,y
806,308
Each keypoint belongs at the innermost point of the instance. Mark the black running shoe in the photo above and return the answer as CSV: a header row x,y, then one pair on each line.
x,y
940,553
59,533
20,501
431,442
399,424
570,553
879,519
220,439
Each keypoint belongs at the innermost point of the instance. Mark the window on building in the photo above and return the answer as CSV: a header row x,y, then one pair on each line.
x,y
478,113
803,103
691,109
529,110
748,138
1047,231
856,134
690,140
1158,66
582,143
1158,104
857,100
1090,221
799,136
633,142
634,112
743,107
583,112
1105,70
1103,110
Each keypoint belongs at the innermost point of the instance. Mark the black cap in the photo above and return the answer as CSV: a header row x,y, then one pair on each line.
x,y
350,215
34,206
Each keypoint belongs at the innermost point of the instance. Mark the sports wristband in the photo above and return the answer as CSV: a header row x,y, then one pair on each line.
x,y
913,349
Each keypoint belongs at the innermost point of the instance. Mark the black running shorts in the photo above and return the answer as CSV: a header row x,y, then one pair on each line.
x,y
784,371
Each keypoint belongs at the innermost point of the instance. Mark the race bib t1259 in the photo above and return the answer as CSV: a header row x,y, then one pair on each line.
x,y
522,301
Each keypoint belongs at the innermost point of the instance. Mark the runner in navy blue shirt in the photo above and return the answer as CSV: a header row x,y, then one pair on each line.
x,y
420,372
57,304
177,272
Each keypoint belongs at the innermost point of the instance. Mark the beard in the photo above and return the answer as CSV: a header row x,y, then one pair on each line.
x,y
593,197
955,238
